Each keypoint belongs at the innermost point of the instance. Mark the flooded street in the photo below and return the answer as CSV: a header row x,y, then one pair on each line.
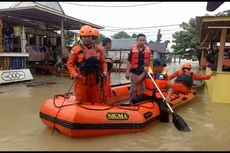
x,y
22,129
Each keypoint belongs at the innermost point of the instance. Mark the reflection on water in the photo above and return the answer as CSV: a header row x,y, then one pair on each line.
x,y
22,129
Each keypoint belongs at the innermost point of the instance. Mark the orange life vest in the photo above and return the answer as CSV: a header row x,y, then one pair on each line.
x,y
161,81
135,54
85,54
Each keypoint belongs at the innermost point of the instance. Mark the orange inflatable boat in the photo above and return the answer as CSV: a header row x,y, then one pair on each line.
x,y
75,119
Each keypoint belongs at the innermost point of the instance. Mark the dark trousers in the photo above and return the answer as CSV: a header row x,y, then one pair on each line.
x,y
164,115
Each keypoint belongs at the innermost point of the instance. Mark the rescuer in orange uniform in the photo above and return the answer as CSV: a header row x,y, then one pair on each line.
x,y
86,64
161,79
151,93
184,81
107,87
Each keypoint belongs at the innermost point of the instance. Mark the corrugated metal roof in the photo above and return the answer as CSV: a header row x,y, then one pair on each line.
x,y
55,6
122,44
36,12
125,44
159,47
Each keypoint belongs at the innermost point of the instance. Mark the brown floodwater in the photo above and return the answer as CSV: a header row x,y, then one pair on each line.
x,y
22,129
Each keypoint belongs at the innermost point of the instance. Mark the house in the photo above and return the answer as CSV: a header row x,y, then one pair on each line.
x,y
213,30
121,48
29,34
159,50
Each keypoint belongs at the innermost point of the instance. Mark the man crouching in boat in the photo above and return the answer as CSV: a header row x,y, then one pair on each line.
x,y
184,81
87,65
151,92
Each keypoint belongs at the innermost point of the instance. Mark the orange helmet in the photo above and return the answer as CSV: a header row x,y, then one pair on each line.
x,y
187,65
95,32
86,31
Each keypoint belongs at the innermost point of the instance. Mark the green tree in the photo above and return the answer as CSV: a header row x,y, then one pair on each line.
x,y
100,38
121,34
69,38
134,35
186,41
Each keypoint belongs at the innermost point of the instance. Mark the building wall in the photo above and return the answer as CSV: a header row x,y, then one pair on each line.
x,y
218,87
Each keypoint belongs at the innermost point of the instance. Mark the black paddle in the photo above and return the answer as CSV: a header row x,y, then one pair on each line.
x,y
177,120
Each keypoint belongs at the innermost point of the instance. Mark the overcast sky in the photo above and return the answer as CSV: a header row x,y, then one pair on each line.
x,y
152,15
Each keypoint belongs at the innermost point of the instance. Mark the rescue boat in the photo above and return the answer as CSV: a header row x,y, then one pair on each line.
x,y
72,118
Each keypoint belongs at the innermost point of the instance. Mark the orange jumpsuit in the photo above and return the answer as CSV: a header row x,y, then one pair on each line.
x,y
87,89
182,88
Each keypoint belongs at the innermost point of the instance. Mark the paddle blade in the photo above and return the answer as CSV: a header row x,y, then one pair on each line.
x,y
179,123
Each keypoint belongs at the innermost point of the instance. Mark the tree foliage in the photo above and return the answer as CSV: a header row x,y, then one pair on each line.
x,y
100,38
186,40
121,34
134,35
69,38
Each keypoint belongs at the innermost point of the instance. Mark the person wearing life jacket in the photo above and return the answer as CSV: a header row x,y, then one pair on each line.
x,y
151,93
139,57
184,79
106,83
160,78
107,44
86,64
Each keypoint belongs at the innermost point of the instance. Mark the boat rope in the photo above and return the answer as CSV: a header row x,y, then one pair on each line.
x,y
66,96
101,109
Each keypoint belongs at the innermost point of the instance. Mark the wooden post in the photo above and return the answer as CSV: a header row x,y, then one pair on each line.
x,y
120,62
221,51
202,54
62,36
1,26
23,40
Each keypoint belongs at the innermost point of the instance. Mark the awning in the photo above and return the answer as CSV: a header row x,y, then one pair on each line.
x,y
212,6
52,19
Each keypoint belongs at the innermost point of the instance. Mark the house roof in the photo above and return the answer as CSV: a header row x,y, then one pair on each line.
x,y
49,13
125,44
206,28
54,6
159,47
122,44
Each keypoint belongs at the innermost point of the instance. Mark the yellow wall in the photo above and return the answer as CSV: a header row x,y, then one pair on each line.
x,y
219,87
